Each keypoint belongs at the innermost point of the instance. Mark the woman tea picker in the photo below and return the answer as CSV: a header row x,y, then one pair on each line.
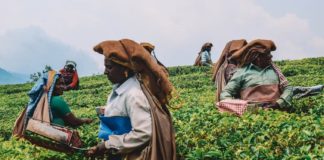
x,y
227,65
141,91
46,106
258,80
204,56
61,112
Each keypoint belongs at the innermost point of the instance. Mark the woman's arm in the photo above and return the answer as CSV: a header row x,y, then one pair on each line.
x,y
286,97
205,59
74,80
139,113
61,107
233,87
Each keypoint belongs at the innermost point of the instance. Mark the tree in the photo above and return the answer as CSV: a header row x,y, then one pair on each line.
x,y
35,76
47,68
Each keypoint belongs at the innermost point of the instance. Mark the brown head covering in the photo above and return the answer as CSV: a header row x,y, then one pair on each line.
x,y
246,54
205,46
133,56
231,47
147,46
253,49
222,63
150,48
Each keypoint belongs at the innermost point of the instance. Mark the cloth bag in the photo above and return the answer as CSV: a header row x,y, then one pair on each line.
x,y
236,106
36,118
113,125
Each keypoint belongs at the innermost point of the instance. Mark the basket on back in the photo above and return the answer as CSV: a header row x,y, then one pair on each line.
x,y
34,123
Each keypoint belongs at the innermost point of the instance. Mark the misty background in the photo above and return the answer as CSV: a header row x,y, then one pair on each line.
x,y
36,33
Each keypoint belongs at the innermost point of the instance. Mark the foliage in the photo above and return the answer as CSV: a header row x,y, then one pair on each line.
x,y
201,131
35,76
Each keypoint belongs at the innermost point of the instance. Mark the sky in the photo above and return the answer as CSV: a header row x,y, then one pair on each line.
x,y
36,33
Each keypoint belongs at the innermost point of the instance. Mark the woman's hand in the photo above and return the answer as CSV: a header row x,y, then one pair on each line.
x,y
102,110
92,151
87,120
273,105
97,150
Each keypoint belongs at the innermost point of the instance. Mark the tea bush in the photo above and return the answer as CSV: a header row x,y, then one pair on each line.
x,y
201,131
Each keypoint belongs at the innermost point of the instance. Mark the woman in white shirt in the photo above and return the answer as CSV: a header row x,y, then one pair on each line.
x,y
141,91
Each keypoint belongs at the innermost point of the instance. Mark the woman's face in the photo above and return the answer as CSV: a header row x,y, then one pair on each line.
x,y
59,86
263,60
208,48
115,72
69,68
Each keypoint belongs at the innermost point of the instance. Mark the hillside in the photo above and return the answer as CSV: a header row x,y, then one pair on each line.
x,y
37,45
11,78
201,131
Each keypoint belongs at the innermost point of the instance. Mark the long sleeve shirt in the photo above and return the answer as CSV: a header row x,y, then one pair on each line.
x,y
205,58
251,76
129,100
71,78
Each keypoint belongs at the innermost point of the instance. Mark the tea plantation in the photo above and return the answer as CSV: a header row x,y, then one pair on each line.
x,y
201,131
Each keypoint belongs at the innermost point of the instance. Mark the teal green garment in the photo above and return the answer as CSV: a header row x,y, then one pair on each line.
x,y
251,76
205,58
59,109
